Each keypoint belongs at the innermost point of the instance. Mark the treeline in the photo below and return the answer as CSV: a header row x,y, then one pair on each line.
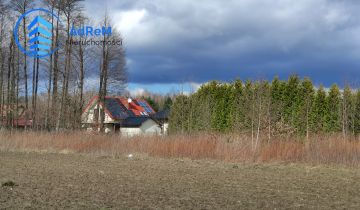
x,y
158,102
52,89
261,108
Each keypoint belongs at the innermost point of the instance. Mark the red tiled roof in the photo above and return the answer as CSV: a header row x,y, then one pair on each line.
x,y
133,106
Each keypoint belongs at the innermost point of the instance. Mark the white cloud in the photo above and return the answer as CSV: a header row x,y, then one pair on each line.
x,y
126,21
336,17
137,92
195,86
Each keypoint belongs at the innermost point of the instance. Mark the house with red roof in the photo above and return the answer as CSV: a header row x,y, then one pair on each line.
x,y
126,116
16,117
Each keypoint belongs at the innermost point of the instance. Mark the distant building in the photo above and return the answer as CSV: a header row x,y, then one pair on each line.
x,y
133,126
126,116
19,117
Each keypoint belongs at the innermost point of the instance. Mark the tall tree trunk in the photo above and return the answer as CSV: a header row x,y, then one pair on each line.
x,y
81,85
2,71
103,79
25,65
56,76
258,123
102,88
48,111
17,84
269,117
64,95
10,82
344,117
36,93
101,97
33,93
308,105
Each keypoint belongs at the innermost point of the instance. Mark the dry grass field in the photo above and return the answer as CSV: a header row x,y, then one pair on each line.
x,y
326,150
80,181
87,171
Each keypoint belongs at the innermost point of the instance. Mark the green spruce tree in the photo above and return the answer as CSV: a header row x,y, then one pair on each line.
x,y
333,102
357,113
318,111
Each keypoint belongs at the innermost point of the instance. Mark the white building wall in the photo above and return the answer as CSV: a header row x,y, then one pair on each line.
x,y
107,119
165,128
148,128
89,118
130,132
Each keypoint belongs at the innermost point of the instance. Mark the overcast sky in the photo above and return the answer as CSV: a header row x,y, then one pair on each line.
x,y
169,42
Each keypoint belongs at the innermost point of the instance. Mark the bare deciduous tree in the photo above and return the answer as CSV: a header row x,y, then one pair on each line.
x,y
68,7
112,66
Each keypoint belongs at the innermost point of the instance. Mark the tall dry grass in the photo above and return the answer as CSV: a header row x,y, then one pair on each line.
x,y
233,148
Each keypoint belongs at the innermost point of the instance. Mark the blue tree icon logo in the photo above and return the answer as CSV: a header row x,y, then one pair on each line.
x,y
39,33
40,43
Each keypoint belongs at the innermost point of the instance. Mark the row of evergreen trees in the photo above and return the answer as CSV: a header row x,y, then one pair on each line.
x,y
292,107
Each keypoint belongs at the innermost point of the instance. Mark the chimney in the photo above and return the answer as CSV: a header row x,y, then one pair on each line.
x,y
127,103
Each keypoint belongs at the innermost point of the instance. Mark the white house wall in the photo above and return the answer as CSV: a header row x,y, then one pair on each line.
x,y
89,118
148,128
165,128
108,119
130,132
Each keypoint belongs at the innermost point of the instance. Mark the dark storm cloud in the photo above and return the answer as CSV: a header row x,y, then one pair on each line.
x,y
179,41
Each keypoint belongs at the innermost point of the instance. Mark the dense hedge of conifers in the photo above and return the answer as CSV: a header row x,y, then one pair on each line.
x,y
292,107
